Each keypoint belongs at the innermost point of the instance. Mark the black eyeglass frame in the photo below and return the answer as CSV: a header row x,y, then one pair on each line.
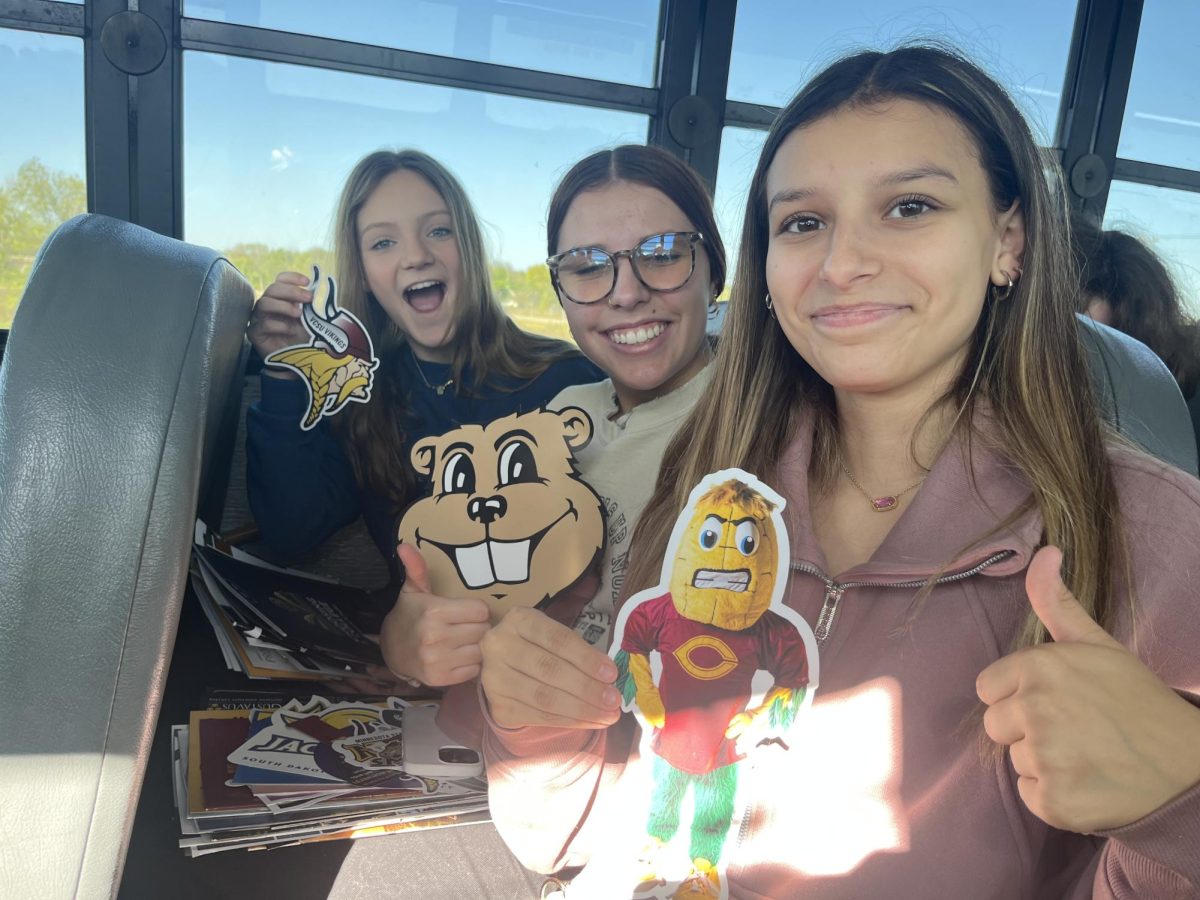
x,y
692,238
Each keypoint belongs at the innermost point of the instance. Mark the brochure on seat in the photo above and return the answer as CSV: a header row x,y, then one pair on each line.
x,y
280,623
225,801
242,654
312,616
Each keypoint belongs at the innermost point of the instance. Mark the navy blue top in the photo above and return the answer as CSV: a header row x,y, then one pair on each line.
x,y
300,483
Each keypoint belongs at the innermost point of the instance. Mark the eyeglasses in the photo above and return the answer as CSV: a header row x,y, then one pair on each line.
x,y
661,262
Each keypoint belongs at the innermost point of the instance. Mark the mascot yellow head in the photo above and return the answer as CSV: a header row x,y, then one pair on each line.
x,y
509,520
726,562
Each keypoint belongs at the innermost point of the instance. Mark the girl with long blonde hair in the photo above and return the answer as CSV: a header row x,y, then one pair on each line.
x,y
411,265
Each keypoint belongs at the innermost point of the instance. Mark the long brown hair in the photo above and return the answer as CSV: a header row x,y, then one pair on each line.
x,y
1024,358
486,342
1145,303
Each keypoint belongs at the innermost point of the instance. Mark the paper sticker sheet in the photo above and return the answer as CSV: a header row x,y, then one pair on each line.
x,y
509,520
713,664
337,365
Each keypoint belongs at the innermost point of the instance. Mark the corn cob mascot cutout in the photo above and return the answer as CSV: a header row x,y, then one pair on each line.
x,y
338,365
688,651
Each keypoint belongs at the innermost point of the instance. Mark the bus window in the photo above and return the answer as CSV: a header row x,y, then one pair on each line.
x,y
1168,221
301,129
42,154
776,47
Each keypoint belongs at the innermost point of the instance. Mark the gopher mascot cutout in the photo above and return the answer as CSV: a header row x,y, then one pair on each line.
x,y
509,521
695,655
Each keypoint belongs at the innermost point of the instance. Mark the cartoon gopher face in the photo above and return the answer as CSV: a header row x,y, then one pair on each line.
x,y
725,566
508,521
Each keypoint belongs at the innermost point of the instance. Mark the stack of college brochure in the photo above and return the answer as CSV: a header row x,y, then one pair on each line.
x,y
258,769
254,771
279,623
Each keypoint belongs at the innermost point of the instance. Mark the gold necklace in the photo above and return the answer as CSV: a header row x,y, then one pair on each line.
x,y
439,389
884,503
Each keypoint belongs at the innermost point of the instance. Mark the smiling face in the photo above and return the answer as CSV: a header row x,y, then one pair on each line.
x,y
508,521
648,342
410,256
883,239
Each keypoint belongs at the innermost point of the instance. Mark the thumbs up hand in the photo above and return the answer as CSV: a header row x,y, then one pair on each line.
x,y
433,639
1096,739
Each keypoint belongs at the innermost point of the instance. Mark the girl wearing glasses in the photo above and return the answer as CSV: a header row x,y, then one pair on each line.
x,y
637,263
411,266
1004,596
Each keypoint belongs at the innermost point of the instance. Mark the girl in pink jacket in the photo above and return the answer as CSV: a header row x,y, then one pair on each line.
x,y
1004,596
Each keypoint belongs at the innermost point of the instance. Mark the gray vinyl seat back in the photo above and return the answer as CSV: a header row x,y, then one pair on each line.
x,y
1139,395
123,353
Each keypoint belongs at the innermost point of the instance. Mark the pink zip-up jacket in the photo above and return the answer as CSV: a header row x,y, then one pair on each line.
x,y
884,790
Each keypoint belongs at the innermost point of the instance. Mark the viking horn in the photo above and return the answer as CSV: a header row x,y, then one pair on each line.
x,y
334,336
330,301
331,309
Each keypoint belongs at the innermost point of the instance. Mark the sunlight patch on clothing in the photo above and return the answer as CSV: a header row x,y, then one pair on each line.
x,y
843,773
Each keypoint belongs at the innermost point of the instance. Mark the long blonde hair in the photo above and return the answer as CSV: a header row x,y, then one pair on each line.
x,y
486,342
1024,358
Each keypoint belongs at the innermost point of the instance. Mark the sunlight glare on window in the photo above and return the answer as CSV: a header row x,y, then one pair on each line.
x,y
778,46
1162,111
613,41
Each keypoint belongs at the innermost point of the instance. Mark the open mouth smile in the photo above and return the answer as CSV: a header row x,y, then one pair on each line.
x,y
425,296
736,580
495,562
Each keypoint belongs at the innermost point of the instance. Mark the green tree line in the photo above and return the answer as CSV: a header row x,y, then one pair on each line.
x,y
33,202
525,294
36,200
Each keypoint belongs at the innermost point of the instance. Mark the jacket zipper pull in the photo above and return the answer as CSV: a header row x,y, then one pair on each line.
x,y
833,596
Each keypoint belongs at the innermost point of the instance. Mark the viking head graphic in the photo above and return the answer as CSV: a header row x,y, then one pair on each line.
x,y
337,365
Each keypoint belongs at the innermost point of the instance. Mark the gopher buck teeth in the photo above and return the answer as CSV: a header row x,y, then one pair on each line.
x,y
489,562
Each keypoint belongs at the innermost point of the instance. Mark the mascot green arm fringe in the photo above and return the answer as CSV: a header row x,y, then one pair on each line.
x,y
784,706
634,680
780,706
625,682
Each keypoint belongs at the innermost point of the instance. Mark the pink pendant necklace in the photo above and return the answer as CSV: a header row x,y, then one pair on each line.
x,y
884,503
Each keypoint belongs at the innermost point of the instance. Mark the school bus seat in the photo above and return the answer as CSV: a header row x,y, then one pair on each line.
x,y
121,357
1138,394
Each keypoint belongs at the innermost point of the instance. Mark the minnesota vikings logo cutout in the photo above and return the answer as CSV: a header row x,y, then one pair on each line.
x,y
687,653
338,365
